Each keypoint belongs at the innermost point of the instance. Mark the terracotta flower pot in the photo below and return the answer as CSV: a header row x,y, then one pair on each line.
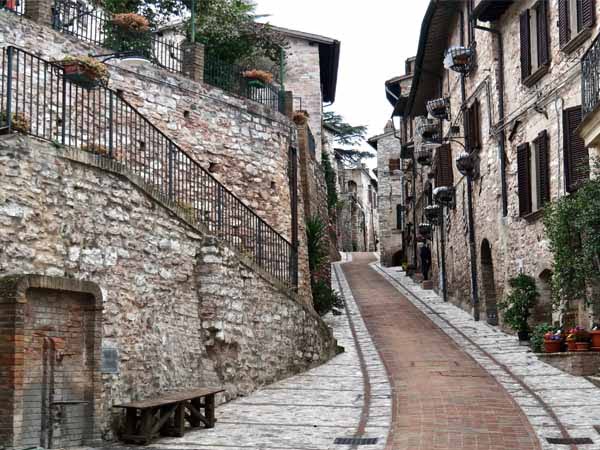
x,y
595,340
571,346
582,346
552,346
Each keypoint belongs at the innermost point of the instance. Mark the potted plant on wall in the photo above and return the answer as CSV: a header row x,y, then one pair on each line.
x,y
581,337
517,306
19,121
553,342
85,71
258,78
129,32
538,334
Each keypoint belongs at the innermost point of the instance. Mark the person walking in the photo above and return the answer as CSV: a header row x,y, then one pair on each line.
x,y
425,260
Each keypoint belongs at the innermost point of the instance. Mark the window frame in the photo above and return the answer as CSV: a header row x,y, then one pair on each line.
x,y
583,23
538,15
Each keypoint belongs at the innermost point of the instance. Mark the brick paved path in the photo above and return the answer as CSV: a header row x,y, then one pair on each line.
x,y
442,398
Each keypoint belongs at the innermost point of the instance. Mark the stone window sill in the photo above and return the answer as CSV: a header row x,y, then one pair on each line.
x,y
534,216
574,43
536,76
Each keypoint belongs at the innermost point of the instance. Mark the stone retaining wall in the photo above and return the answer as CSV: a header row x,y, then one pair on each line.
x,y
179,309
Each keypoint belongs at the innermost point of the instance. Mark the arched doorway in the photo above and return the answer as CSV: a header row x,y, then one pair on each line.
x,y
488,283
398,258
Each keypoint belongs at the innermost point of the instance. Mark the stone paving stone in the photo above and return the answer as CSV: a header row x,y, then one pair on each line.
x,y
308,411
574,400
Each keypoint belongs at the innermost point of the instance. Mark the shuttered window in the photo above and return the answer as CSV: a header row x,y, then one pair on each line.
x,y
444,175
574,16
524,178
542,172
394,165
576,156
473,132
535,42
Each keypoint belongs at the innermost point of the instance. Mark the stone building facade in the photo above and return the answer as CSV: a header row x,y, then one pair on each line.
x,y
358,223
519,111
161,303
390,197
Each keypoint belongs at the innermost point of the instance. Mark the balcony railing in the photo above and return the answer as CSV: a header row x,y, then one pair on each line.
x,y
37,99
229,77
94,25
590,78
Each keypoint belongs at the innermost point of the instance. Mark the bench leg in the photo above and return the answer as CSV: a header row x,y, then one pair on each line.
x,y
209,410
131,422
179,427
147,425
195,408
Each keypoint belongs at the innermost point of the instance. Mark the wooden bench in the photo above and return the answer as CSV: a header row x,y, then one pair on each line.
x,y
166,415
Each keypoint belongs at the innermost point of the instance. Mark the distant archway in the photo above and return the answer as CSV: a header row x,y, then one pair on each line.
x,y
488,283
352,186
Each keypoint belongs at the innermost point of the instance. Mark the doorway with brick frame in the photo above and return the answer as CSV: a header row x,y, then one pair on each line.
x,y
56,352
488,283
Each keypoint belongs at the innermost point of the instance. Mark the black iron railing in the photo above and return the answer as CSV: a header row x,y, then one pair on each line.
x,y
95,25
229,77
37,99
16,6
590,78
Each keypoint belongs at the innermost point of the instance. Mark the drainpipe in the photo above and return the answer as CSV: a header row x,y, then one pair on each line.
x,y
502,135
472,250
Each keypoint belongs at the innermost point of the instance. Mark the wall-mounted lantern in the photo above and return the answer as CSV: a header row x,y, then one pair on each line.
x,y
459,59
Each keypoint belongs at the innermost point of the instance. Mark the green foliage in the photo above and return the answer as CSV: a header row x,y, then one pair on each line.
x,y
518,303
572,225
330,181
121,40
325,299
537,337
315,233
345,134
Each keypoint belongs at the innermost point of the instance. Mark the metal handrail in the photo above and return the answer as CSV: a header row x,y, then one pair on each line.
x,y
38,99
590,78
92,24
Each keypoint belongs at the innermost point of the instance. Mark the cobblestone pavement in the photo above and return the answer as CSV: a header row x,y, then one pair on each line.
x,y
443,399
347,397
557,404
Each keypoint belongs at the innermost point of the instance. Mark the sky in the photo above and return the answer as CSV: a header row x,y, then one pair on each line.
x,y
376,37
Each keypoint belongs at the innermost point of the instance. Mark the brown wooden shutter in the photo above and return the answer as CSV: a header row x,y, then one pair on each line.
x,y
577,163
394,164
444,175
524,178
525,45
564,30
588,13
542,32
543,169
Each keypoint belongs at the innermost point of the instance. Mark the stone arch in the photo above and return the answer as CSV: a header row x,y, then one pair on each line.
x,y
352,186
542,312
488,283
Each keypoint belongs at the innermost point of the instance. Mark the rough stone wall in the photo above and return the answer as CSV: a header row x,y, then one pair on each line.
x,y
517,244
181,310
303,78
388,197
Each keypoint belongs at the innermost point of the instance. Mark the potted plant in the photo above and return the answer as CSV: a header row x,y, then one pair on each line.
x,y
423,155
258,78
553,342
582,339
85,71
571,341
595,337
517,306
300,117
459,59
537,336
129,32
438,108
19,121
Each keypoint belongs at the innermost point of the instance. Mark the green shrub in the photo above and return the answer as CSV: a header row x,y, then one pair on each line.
x,y
537,336
519,302
325,299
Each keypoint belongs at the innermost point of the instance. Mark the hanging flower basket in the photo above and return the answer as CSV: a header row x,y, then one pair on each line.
x,y
424,229
406,151
459,59
429,130
438,108
131,22
258,78
300,117
433,213
444,195
465,163
423,155
85,71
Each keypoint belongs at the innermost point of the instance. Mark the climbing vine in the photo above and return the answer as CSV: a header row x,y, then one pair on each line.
x,y
572,226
